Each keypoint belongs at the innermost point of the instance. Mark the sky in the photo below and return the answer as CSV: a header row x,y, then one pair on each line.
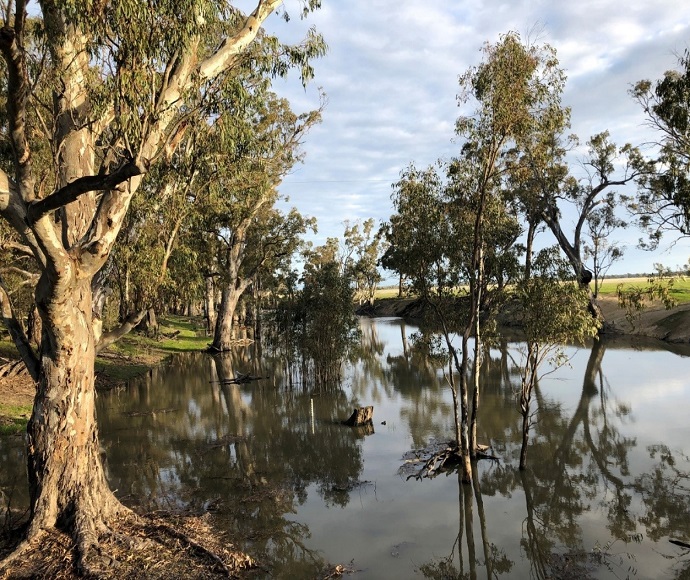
x,y
391,80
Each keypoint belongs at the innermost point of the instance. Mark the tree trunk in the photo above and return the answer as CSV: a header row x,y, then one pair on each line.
x,y
222,337
149,323
464,413
210,304
525,438
66,477
529,248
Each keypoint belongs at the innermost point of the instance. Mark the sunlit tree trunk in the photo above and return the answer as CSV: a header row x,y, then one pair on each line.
x,y
223,335
67,481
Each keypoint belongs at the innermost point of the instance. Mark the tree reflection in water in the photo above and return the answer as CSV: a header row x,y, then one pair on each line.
x,y
266,466
453,566
245,452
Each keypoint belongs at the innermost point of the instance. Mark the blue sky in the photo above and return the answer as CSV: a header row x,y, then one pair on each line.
x,y
391,78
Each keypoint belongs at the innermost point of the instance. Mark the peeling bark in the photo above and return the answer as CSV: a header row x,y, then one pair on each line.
x,y
66,477
71,233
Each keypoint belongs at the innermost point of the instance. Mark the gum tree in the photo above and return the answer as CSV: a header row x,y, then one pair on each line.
x,y
553,312
123,75
663,200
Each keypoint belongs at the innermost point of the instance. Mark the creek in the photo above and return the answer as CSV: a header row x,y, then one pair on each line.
x,y
606,489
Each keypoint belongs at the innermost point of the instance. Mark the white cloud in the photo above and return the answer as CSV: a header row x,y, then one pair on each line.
x,y
391,77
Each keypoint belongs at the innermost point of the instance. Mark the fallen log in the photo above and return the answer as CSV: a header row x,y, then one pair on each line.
x,y
361,416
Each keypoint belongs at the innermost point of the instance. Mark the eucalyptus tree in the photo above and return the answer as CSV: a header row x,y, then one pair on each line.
x,y
170,195
363,247
506,88
123,76
663,200
600,248
323,324
417,233
553,312
254,145
272,236
606,166
420,242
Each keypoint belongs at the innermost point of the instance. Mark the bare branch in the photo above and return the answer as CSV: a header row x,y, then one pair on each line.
x,y
16,331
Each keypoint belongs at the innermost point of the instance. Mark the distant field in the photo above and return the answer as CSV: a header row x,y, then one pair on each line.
x,y
680,291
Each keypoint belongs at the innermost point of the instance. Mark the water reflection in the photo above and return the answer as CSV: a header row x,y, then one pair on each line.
x,y
607,484
194,438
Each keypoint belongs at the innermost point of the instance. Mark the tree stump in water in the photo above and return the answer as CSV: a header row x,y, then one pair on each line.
x,y
361,416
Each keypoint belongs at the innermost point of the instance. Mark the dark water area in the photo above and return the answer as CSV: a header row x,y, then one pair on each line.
x,y
606,489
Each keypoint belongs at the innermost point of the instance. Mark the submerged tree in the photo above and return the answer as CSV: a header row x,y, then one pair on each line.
x,y
123,75
315,326
508,88
553,312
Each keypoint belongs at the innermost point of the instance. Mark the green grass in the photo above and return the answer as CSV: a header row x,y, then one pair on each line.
x,y
680,291
13,418
386,293
130,357
137,353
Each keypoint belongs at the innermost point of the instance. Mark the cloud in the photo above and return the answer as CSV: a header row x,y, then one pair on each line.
x,y
391,76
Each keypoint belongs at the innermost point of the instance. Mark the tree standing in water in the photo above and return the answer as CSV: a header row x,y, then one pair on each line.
x,y
123,74
553,313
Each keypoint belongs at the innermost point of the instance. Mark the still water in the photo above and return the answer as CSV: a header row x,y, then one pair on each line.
x,y
607,484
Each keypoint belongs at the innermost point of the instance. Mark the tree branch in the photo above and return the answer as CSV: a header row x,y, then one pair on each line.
x,y
231,48
73,190
108,338
17,332
17,96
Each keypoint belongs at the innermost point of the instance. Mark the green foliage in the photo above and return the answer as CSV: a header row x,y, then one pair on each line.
x,y
316,325
418,233
553,312
362,248
634,299
663,199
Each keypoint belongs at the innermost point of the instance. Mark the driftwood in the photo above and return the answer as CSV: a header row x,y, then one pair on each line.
x,y
361,416
240,379
12,368
436,458
680,543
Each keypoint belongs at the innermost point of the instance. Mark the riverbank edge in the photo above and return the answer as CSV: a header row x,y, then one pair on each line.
x,y
131,357
135,355
654,321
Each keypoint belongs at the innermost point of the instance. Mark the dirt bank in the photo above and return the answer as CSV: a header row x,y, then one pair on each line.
x,y
654,321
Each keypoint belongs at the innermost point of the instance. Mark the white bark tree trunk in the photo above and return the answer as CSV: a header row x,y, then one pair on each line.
x,y
67,481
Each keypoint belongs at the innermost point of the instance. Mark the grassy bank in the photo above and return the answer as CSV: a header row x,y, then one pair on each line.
x,y
132,356
680,291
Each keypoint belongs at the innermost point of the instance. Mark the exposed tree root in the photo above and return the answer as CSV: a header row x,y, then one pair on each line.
x,y
152,547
